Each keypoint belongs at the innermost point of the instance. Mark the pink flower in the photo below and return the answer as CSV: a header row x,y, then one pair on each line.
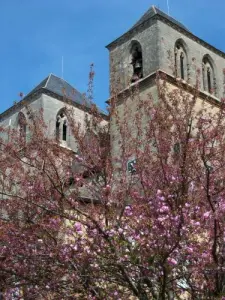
x,y
161,198
153,112
159,192
222,207
79,159
172,261
204,255
78,227
206,215
164,209
120,230
189,250
128,211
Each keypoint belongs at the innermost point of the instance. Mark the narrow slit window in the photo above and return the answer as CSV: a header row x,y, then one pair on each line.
x,y
209,80
182,65
176,73
57,129
64,130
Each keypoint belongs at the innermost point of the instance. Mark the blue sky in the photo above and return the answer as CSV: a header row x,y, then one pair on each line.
x,y
35,34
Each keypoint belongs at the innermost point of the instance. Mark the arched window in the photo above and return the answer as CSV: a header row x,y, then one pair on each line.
x,y
208,75
61,126
181,61
136,61
22,124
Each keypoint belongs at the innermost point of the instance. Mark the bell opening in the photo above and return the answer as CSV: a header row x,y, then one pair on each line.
x,y
136,62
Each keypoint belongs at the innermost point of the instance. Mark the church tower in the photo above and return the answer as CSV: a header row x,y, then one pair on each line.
x,y
159,43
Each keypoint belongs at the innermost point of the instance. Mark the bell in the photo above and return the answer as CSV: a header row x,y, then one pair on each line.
x,y
137,65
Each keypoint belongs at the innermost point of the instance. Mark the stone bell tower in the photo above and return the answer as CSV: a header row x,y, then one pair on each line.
x,y
159,43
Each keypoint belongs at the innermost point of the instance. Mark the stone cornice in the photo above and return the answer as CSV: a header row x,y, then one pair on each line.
x,y
150,81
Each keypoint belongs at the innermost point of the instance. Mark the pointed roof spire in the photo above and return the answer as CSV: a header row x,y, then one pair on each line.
x,y
153,11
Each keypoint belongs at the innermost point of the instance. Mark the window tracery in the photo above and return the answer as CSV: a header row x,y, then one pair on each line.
x,y
181,61
61,126
208,74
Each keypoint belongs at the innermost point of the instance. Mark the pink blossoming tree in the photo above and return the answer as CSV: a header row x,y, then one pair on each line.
x,y
151,231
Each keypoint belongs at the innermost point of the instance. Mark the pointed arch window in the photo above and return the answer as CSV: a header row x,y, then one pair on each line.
x,y
61,127
208,73
181,61
22,124
136,61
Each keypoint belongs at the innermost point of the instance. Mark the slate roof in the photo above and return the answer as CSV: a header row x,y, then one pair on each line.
x,y
156,11
62,88
59,87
